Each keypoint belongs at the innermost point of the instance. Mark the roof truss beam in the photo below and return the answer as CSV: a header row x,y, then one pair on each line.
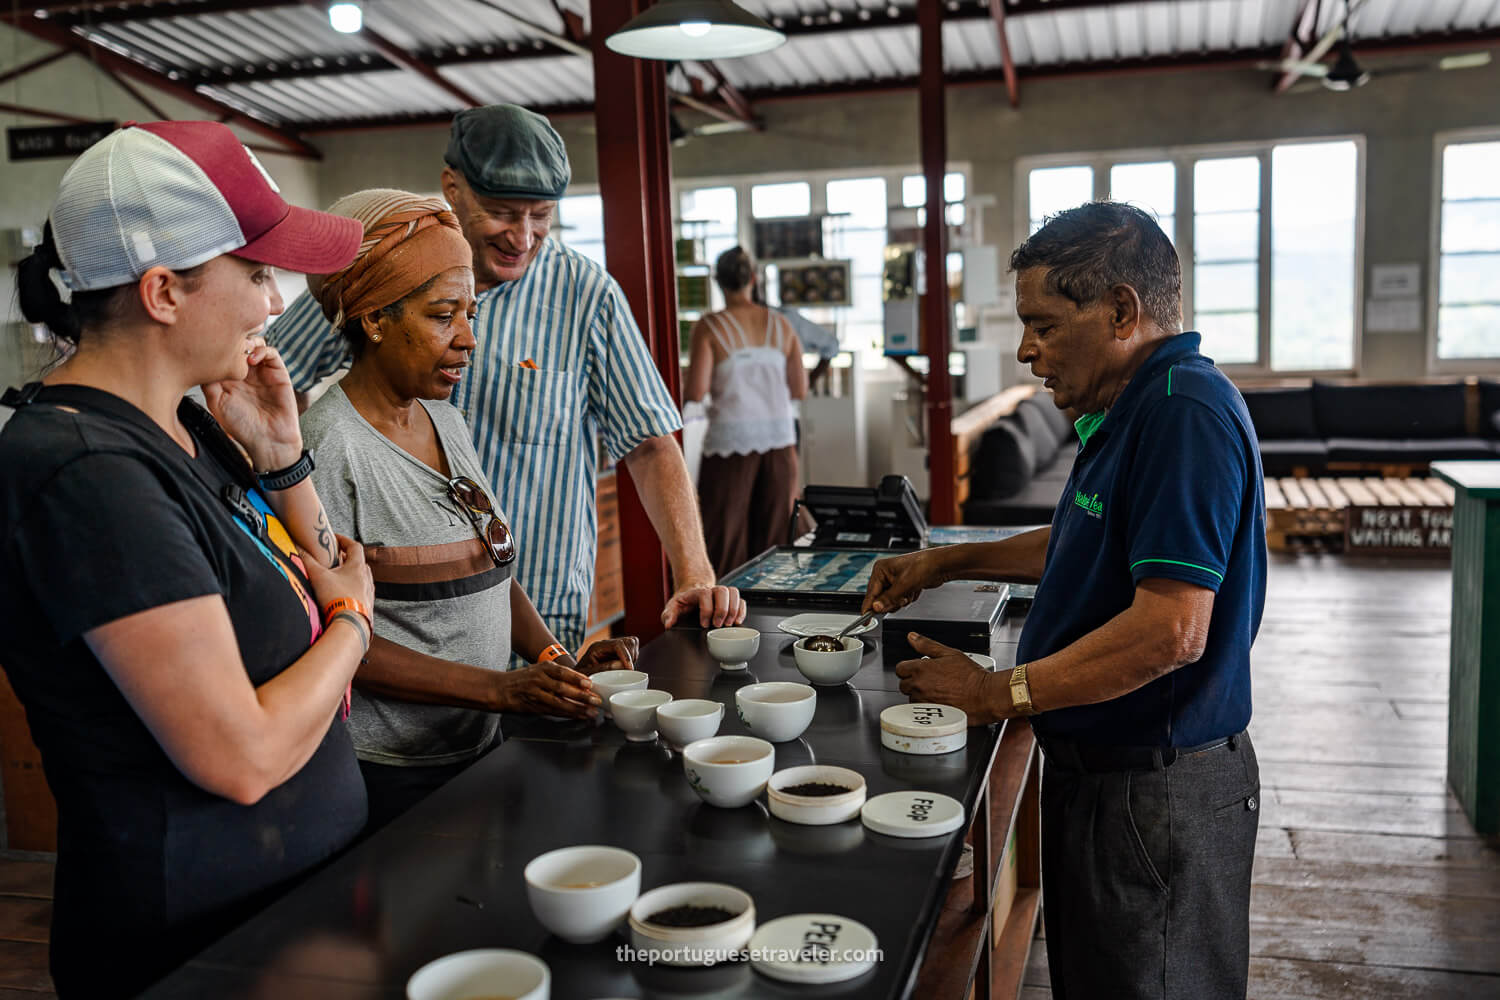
x,y
1007,64
106,59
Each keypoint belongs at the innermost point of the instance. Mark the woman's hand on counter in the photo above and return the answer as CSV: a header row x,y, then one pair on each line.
x,y
610,654
547,689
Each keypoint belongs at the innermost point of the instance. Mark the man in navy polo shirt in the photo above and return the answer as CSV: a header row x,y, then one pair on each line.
x,y
1134,662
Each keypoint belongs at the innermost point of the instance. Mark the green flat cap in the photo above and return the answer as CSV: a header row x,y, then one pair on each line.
x,y
505,151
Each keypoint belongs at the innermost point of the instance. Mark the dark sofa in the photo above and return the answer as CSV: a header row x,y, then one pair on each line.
x,y
1020,464
1329,427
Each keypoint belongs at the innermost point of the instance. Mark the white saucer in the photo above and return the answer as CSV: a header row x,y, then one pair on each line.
x,y
913,814
822,623
813,948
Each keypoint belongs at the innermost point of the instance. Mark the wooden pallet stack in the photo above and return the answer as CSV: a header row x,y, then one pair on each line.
x,y
1309,513
1304,514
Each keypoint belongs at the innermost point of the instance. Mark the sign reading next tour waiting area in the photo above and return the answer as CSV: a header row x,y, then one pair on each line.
x,y
54,140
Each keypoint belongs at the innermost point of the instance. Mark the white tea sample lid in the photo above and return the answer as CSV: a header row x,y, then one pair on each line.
x,y
913,814
923,720
813,948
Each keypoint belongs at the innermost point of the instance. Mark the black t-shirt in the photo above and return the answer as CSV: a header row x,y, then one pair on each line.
x,y
103,515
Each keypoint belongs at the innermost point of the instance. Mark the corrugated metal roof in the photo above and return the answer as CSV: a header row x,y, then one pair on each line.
x,y
285,64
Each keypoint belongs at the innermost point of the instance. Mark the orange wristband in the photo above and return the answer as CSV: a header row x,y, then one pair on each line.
x,y
349,604
551,653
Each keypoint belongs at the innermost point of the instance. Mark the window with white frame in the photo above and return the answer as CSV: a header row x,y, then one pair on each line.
x,y
856,220
1468,273
855,230
580,224
779,201
1273,294
1226,258
712,215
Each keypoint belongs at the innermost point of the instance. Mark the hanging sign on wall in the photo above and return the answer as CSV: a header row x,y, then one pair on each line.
x,y
48,141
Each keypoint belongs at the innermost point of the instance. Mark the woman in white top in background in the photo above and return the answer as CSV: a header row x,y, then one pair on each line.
x,y
749,362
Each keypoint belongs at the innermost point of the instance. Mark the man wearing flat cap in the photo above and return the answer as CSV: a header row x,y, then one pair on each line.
x,y
560,363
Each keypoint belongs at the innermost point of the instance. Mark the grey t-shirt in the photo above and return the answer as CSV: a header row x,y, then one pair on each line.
x,y
437,590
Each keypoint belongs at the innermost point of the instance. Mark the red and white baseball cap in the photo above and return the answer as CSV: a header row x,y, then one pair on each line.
x,y
178,194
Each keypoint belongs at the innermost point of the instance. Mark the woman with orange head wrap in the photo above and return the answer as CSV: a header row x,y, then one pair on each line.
x,y
400,471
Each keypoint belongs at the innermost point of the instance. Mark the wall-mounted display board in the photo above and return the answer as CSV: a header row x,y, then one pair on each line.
x,y
813,283
775,238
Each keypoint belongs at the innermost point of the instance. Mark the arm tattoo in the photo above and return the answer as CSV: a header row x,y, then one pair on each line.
x,y
326,541
359,625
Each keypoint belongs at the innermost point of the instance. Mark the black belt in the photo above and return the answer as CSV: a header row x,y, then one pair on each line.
x,y
1074,756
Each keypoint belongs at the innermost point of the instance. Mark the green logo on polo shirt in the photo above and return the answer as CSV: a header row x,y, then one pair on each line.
x,y
1091,505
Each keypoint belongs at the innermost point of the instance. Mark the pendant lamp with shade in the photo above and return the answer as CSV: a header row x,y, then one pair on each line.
x,y
694,29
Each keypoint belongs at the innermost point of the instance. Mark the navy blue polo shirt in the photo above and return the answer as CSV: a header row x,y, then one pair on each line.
x,y
1167,486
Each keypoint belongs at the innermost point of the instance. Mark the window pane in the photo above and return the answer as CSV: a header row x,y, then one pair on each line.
x,y
955,214
1227,236
1231,338
717,204
861,201
1148,186
770,201
582,217
1230,185
1471,225
1471,170
953,187
1224,288
1468,332
580,226
1313,195
1055,189
1469,280
914,189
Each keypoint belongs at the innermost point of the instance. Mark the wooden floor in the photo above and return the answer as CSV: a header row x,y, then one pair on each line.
x,y
1369,882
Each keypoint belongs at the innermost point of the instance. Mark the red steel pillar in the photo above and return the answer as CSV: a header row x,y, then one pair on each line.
x,y
936,309
635,180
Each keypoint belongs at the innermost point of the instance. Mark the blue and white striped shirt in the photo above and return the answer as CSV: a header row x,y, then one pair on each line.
x,y
537,430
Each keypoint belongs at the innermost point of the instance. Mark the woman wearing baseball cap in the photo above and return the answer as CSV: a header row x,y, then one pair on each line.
x,y
180,623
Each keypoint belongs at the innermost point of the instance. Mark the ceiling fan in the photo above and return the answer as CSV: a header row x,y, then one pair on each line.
x,y
1346,72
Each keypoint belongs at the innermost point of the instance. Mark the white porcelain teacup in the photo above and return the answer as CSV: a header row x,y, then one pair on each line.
x,y
829,668
582,893
733,646
776,710
608,683
689,719
483,972
728,771
634,711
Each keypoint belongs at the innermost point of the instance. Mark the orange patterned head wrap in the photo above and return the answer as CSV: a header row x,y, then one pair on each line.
x,y
408,240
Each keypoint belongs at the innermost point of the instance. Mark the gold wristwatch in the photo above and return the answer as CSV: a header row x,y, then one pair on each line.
x,y
1020,691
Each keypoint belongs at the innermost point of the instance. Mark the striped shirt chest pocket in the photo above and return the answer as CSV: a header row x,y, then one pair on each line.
x,y
538,405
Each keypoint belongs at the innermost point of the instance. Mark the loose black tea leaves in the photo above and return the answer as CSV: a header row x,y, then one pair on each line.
x,y
815,788
689,915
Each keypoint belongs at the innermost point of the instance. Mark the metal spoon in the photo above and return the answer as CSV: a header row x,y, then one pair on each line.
x,y
835,643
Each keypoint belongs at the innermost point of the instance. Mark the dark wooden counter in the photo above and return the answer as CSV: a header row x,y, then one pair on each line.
x,y
447,876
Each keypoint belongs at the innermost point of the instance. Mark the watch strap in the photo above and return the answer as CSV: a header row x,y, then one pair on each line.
x,y
285,479
1020,691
